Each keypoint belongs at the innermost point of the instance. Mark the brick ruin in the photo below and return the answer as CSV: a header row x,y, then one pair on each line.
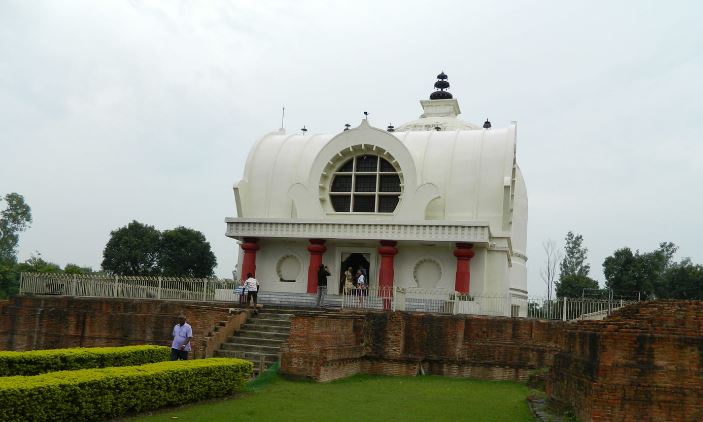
x,y
398,343
645,362
31,323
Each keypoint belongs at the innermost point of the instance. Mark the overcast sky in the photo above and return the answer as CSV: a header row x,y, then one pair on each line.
x,y
112,111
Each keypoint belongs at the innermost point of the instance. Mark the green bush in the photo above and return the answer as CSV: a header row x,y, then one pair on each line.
x,y
41,361
95,394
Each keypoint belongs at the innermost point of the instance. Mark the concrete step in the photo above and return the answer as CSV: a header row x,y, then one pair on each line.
x,y
250,356
258,341
241,347
268,322
282,329
273,315
275,335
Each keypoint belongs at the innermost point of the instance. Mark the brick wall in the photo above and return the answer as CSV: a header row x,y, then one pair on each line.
x,y
337,345
30,323
645,362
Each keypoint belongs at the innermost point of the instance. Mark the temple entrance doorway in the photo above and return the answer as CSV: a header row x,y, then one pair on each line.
x,y
355,261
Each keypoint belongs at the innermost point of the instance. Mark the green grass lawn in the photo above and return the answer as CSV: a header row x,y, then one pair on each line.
x,y
363,398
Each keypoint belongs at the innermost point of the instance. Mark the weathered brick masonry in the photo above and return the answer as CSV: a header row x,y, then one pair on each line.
x,y
643,363
337,345
29,323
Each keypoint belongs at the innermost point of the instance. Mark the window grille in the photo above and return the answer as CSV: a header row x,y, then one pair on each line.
x,y
365,183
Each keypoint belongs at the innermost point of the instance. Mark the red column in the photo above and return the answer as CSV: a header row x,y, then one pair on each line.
x,y
386,272
316,248
463,253
249,246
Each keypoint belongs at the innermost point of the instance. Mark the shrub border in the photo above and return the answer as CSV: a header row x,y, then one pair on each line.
x,y
40,361
94,394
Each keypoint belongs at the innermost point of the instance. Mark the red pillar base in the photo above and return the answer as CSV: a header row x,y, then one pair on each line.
x,y
249,246
316,248
386,273
463,253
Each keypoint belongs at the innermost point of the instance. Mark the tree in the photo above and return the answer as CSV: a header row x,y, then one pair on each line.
x,y
572,285
133,250
35,264
186,252
575,254
683,280
628,273
76,269
549,271
14,219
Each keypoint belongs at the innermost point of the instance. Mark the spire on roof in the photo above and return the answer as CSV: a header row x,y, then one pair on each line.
x,y
441,85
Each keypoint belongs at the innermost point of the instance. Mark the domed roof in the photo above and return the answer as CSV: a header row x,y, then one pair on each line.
x,y
464,170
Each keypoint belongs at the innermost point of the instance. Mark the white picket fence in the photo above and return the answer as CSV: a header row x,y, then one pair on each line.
x,y
127,287
433,300
394,298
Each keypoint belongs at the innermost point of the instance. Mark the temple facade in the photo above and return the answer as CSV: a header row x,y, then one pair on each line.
x,y
436,203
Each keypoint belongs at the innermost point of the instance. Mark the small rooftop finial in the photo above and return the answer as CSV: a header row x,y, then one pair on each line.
x,y
486,124
347,126
391,128
304,129
437,128
366,115
441,85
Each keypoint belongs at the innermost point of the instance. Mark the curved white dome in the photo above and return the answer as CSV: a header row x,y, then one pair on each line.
x,y
459,175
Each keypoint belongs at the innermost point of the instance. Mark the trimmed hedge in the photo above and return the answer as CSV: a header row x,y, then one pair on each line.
x,y
95,394
40,361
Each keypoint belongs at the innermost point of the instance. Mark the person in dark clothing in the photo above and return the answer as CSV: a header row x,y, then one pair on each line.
x,y
322,274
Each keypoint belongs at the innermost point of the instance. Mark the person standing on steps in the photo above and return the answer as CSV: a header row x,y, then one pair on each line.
x,y
361,286
322,274
252,288
182,335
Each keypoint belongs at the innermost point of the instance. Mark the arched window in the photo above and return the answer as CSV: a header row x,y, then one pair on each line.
x,y
365,183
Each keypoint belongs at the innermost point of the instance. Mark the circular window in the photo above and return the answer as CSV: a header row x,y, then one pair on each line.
x,y
427,273
365,183
288,268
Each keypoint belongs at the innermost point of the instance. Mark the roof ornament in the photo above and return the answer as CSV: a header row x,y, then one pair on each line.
x,y
391,128
441,85
437,128
347,126
366,115
304,129
486,124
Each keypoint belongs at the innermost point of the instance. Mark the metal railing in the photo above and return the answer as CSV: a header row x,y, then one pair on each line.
x,y
127,287
567,309
431,300
392,298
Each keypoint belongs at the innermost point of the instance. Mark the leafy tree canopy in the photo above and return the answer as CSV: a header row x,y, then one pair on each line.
x,y
186,252
628,273
139,249
575,254
14,219
683,280
573,285
133,250
36,264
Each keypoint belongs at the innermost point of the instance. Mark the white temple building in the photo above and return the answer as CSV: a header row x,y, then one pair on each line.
x,y
436,203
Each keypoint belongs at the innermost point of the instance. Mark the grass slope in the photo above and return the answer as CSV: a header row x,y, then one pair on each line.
x,y
364,398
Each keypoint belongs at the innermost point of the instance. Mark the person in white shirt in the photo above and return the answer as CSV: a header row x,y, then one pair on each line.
x,y
252,287
182,335
361,286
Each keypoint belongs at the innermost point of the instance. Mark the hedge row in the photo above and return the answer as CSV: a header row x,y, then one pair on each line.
x,y
41,361
98,394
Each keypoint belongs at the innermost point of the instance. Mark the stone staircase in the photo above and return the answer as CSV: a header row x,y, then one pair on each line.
x,y
259,339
